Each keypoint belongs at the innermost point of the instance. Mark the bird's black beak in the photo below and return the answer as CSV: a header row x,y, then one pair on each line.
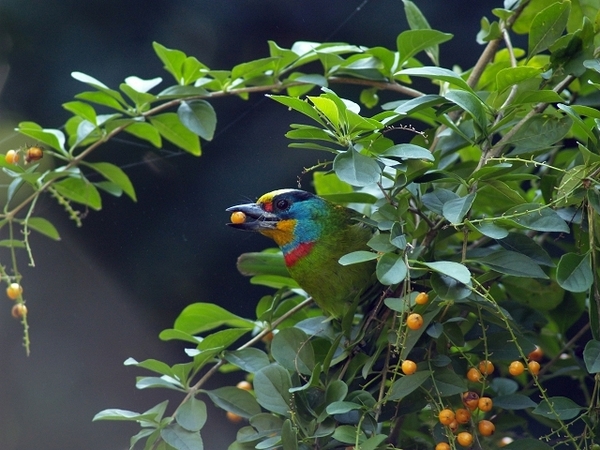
x,y
257,219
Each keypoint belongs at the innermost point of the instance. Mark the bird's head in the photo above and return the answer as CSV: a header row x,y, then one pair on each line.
x,y
288,216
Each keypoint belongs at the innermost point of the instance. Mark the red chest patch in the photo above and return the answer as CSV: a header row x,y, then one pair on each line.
x,y
297,253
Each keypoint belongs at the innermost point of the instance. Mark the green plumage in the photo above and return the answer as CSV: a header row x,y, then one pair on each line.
x,y
313,235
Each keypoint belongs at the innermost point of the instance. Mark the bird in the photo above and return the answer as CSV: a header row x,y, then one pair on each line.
x,y
313,234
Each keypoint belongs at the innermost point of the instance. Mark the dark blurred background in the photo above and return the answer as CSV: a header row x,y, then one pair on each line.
x,y
105,291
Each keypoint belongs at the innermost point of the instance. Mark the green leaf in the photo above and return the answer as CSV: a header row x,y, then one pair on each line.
x,y
591,356
141,85
455,210
12,243
400,305
180,438
82,110
44,227
292,349
142,100
262,263
574,272
471,104
435,200
521,243
50,137
547,26
540,132
437,73
272,385
101,98
301,106
512,263
489,31
513,402
191,415
448,383
221,339
534,217
79,191
578,121
351,197
289,439
407,384
151,364
145,131
417,21
374,442
235,400
171,128
122,414
564,408
199,317
172,59
571,182
536,294
248,359
342,407
510,76
199,117
329,108
411,42
91,81
451,269
116,175
177,91
391,269
356,169
491,230
357,257
408,151
448,288
274,281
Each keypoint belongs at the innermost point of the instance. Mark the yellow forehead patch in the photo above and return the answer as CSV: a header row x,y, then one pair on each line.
x,y
283,234
268,197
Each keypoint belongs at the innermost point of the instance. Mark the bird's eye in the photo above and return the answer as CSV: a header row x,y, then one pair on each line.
x,y
282,204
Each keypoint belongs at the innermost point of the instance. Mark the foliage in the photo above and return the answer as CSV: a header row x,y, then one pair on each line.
x,y
491,207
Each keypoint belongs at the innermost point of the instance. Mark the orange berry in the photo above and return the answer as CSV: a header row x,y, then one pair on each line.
x,y
14,290
485,404
233,417
422,298
464,438
486,367
34,153
409,367
534,367
238,217
442,446
19,310
474,375
11,157
462,415
486,428
446,416
516,368
453,426
267,338
414,321
536,355
244,385
471,400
